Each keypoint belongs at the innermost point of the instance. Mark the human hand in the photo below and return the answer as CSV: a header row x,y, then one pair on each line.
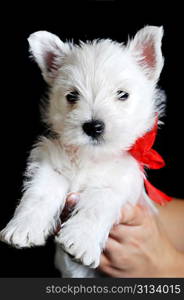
x,y
138,247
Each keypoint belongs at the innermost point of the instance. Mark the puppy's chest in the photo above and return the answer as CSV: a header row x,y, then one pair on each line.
x,y
94,174
82,174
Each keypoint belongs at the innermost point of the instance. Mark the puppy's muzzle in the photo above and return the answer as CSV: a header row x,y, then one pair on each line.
x,y
94,128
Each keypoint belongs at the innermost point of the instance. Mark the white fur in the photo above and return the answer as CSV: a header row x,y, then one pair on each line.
x,y
104,173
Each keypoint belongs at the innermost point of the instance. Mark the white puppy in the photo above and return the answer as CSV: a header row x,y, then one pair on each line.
x,y
103,97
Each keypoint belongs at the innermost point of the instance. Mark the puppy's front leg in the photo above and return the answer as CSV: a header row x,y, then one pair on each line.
x,y
85,233
38,212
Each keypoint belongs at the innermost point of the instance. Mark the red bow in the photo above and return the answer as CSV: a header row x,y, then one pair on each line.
x,y
147,157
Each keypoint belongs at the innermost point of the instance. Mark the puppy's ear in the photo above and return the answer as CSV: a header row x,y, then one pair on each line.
x,y
48,51
146,47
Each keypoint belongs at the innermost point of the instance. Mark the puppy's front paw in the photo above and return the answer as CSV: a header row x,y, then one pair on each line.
x,y
23,234
80,244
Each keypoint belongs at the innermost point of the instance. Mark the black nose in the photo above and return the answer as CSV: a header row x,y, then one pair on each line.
x,y
93,128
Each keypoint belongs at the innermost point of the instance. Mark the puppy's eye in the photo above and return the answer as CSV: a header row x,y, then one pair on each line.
x,y
72,97
122,95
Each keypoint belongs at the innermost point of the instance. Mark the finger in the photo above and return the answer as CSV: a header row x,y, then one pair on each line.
x,y
71,201
133,215
106,267
104,261
118,233
113,272
111,249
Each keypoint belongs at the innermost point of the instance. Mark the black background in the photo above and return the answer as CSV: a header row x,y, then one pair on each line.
x,y
22,87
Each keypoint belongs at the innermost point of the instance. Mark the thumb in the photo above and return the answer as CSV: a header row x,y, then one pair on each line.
x,y
133,214
71,201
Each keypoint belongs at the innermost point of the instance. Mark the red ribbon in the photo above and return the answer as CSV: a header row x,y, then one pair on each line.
x,y
147,157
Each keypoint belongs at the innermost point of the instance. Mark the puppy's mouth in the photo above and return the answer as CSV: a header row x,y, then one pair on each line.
x,y
97,141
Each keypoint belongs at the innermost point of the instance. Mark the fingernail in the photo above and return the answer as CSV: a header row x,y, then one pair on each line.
x,y
74,197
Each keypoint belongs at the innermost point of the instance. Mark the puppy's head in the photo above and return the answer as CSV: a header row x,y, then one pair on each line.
x,y
103,94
